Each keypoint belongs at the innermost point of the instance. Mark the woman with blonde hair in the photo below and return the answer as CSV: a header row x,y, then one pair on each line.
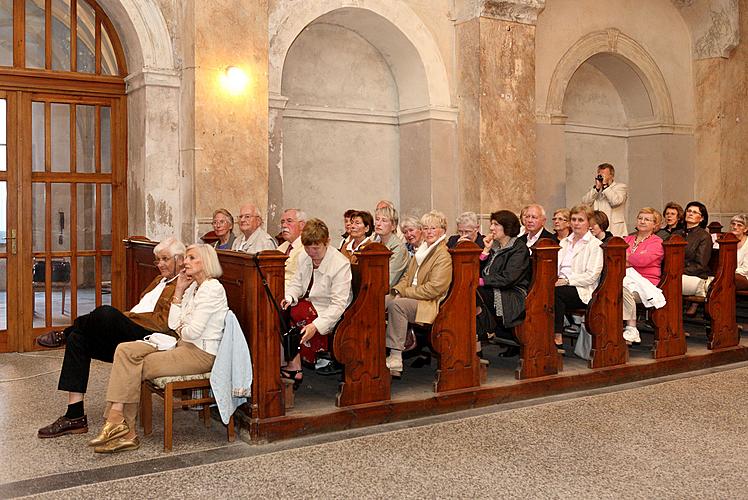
x,y
561,226
416,298
197,314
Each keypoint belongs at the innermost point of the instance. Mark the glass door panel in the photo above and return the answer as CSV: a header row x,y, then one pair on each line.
x,y
3,255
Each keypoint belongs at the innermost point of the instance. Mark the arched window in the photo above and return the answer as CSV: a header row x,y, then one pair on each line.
x,y
63,201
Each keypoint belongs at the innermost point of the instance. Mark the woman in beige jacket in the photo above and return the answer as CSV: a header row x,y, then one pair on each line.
x,y
416,298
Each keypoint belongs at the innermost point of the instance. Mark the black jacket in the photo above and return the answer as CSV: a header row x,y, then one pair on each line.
x,y
507,271
544,233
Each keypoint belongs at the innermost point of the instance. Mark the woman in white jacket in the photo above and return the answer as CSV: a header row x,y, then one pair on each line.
x,y
197,314
580,262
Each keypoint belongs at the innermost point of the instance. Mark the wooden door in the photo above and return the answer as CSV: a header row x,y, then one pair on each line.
x,y
72,197
9,304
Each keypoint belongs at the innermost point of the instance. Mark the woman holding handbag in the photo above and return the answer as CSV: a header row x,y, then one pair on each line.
x,y
322,281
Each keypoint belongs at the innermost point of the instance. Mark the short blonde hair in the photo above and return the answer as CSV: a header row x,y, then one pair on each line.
x,y
563,211
390,213
434,218
653,212
582,209
211,264
315,232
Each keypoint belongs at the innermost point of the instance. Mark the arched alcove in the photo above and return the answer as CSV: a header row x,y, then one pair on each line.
x,y
608,102
357,101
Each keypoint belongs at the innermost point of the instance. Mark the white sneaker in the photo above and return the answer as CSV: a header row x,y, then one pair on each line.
x,y
394,364
631,334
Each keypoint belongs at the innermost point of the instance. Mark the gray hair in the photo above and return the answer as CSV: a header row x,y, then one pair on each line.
x,y
468,219
740,218
534,205
172,246
300,214
410,221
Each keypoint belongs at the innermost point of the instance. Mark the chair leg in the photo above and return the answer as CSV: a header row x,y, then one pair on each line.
x,y
146,410
168,415
206,415
230,430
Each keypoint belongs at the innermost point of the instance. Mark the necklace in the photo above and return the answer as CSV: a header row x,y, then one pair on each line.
x,y
638,241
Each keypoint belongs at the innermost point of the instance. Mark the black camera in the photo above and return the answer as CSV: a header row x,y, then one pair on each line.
x,y
599,178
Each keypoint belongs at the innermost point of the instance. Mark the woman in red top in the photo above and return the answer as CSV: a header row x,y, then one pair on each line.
x,y
644,255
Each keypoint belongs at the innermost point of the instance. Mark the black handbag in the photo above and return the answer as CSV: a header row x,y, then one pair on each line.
x,y
290,334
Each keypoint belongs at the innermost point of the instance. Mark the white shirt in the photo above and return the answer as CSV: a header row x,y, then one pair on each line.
x,y
148,303
256,242
199,319
531,240
293,257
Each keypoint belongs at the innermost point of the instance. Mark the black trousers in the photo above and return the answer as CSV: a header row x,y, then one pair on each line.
x,y
566,297
95,335
487,321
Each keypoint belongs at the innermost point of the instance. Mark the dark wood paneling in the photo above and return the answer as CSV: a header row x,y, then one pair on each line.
x,y
720,304
669,336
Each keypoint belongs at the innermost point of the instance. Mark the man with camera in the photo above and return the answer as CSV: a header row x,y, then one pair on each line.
x,y
609,197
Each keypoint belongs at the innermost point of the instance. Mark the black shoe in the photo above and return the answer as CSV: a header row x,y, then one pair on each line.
x,y
333,368
510,352
64,425
53,339
421,360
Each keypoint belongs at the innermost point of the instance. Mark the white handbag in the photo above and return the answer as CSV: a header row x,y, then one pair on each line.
x,y
160,341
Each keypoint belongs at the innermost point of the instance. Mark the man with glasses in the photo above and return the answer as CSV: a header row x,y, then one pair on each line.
x,y
254,239
610,197
293,221
97,334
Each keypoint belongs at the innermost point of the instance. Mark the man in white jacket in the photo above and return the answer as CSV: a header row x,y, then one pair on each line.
x,y
610,197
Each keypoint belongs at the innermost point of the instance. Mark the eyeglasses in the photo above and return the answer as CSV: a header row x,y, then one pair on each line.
x,y
247,216
288,221
645,219
163,260
220,222
561,219
695,212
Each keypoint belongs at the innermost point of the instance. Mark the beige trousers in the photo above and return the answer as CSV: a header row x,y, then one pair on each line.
x,y
630,299
138,361
400,312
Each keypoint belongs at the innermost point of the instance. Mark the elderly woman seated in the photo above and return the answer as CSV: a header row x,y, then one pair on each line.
x,y
223,228
561,226
599,226
739,227
580,262
504,279
385,225
673,220
197,314
416,298
644,255
698,252
413,234
468,228
323,276
360,229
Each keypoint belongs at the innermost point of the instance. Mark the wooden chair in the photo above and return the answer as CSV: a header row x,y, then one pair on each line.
x,y
60,278
167,388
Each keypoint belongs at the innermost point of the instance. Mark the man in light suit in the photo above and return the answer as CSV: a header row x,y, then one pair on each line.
x,y
609,197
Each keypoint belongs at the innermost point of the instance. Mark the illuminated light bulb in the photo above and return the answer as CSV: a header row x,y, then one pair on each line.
x,y
235,79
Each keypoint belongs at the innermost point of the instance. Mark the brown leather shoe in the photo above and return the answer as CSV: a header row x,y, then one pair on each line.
x,y
53,339
109,432
64,425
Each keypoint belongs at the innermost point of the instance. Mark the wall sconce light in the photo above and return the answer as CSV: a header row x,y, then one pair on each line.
x,y
234,79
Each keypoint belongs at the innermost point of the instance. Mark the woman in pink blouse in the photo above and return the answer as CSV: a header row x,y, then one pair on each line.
x,y
644,255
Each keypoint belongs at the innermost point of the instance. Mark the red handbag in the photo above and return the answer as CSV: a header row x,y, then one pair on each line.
x,y
302,314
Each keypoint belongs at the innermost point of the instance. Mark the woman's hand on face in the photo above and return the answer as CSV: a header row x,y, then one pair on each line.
x,y
183,281
487,242
308,332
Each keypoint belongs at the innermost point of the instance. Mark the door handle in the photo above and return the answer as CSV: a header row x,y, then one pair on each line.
x,y
12,239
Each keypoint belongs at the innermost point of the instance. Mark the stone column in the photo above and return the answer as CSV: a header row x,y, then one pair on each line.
x,y
496,135
225,151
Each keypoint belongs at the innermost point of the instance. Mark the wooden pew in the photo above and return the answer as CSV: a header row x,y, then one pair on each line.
x,y
453,332
604,318
720,303
247,298
359,342
669,336
538,354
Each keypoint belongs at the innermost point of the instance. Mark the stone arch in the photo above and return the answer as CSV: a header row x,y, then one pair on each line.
x,y
156,187
408,27
611,41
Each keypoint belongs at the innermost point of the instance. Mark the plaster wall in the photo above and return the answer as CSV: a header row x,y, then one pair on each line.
x,y
591,99
583,153
563,22
340,134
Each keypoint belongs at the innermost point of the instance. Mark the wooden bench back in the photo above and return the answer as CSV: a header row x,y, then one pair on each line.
x,y
670,339
720,303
